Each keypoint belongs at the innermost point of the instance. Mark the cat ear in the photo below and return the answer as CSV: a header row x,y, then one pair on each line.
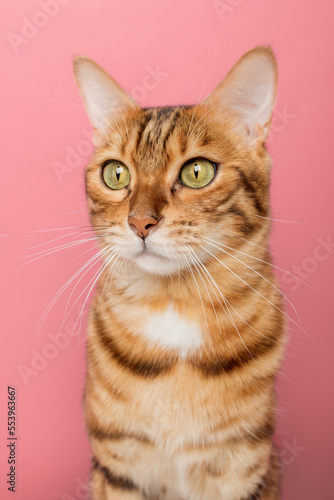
x,y
102,96
249,92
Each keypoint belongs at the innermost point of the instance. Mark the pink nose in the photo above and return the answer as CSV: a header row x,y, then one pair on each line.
x,y
142,226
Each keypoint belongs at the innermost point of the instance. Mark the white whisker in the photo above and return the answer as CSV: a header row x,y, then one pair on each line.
x,y
92,282
265,262
198,290
56,229
241,317
100,254
256,291
280,220
207,291
44,253
227,303
106,281
58,238
62,289
255,245
256,272
73,212
206,80
209,111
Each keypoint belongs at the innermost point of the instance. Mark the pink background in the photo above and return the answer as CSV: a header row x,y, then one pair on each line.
x,y
44,120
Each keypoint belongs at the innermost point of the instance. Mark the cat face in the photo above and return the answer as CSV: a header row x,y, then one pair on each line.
x,y
163,179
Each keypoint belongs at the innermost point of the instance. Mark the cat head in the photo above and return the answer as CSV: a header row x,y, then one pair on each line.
x,y
164,181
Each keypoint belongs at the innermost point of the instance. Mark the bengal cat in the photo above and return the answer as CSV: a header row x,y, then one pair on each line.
x,y
186,331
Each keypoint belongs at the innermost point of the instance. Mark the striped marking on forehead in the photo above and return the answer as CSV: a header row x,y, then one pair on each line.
x,y
155,127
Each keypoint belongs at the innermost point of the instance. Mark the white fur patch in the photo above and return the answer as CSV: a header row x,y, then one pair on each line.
x,y
170,330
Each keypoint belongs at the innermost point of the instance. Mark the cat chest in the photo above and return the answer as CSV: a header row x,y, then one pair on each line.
x,y
171,330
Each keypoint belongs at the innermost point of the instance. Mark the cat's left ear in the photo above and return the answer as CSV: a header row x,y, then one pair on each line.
x,y
102,96
248,93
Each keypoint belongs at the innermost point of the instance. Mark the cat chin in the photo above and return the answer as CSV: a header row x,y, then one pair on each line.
x,y
155,264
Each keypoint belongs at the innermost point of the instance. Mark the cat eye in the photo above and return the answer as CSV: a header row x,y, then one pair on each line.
x,y
116,175
197,173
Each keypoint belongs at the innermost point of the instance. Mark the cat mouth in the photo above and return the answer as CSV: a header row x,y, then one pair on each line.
x,y
150,253
153,261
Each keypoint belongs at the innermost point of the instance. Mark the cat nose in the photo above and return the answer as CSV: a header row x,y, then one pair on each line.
x,y
143,226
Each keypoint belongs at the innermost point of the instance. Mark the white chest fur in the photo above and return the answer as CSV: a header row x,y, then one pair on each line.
x,y
171,330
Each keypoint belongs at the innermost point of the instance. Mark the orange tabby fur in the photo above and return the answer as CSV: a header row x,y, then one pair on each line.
x,y
192,421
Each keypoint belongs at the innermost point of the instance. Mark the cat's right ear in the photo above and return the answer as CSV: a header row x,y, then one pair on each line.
x,y
102,96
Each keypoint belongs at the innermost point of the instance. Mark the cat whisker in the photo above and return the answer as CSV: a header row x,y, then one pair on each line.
x,y
91,261
208,121
257,292
68,102
59,238
58,229
92,283
101,254
119,270
265,262
70,244
241,317
198,290
206,80
226,308
106,281
104,254
193,256
280,220
45,253
256,272
256,245
84,253
73,212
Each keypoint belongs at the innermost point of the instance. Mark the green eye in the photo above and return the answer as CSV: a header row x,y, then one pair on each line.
x,y
197,173
116,175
